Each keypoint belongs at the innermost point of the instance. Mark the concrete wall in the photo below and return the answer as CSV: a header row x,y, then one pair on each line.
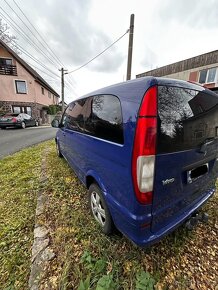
x,y
186,75
203,60
189,69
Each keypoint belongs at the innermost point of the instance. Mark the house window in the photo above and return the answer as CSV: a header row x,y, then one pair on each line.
x,y
6,67
208,76
49,95
16,110
5,61
21,109
43,90
21,87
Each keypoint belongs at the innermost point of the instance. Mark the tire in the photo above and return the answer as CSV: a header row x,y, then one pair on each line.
x,y
99,209
59,154
23,125
36,124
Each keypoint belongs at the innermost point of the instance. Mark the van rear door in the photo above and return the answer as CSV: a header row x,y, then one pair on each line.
x,y
187,151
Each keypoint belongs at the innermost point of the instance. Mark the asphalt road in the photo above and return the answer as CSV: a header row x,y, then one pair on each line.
x,y
13,140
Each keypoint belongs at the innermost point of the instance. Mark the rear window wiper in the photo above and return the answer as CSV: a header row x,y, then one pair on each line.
x,y
206,142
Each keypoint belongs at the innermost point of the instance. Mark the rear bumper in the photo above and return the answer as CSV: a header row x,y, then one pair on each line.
x,y
142,235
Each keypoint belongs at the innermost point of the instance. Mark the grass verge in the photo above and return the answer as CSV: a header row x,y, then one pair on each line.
x,y
87,259
19,182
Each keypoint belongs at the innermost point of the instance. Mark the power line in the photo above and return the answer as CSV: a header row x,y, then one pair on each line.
x,y
38,33
99,53
50,50
70,81
26,25
70,86
54,79
21,48
24,35
34,59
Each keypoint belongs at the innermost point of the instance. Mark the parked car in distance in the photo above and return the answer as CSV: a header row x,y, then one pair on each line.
x,y
147,150
21,120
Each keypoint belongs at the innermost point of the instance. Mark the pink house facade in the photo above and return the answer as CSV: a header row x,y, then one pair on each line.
x,y
22,89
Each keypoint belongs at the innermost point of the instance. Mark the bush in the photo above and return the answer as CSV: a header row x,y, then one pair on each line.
x,y
53,109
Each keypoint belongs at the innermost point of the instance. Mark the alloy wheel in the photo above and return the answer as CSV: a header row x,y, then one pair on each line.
x,y
97,208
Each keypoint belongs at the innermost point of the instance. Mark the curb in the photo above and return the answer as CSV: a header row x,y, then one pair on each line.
x,y
41,253
39,127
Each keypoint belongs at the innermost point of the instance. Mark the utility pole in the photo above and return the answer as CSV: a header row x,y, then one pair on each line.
x,y
129,63
62,87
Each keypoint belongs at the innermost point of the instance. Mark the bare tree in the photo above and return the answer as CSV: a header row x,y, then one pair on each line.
x,y
7,37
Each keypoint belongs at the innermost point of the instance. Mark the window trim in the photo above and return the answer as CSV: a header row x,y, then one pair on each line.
x,y
4,57
86,133
121,111
207,75
21,107
15,84
42,90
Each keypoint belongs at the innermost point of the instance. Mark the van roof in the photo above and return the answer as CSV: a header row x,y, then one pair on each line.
x,y
134,89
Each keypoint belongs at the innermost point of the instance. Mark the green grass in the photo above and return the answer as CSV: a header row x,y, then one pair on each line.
x,y
87,259
19,183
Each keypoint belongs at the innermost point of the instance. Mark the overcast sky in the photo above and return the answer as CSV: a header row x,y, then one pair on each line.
x,y
77,30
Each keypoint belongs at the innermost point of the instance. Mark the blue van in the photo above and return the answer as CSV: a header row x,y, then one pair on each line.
x,y
147,150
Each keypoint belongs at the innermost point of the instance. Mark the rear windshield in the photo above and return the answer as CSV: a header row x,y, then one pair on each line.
x,y
185,118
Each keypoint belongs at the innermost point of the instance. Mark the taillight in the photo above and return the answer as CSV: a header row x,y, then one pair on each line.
x,y
14,120
144,151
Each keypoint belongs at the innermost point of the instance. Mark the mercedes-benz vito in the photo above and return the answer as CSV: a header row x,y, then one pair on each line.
x,y
147,150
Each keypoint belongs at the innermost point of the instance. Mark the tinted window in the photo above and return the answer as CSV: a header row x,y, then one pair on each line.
x,y
5,61
74,115
185,118
203,76
211,75
104,119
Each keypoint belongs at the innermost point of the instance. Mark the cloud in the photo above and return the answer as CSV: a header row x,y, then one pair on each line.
x,y
150,58
67,28
192,13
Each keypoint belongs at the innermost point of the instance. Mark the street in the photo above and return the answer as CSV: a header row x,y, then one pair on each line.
x,y
13,140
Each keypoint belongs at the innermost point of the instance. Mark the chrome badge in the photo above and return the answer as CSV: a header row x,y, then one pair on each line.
x,y
167,181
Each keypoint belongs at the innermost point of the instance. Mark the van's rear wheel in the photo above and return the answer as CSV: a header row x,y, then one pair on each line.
x,y
99,209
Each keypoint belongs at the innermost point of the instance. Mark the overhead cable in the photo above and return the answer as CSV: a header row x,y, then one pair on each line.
x,y
20,31
38,33
85,64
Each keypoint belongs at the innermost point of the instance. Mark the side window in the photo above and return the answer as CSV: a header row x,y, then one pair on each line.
x,y
73,118
105,118
21,87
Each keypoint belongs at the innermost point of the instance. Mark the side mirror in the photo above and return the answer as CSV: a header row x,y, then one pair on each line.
x,y
55,123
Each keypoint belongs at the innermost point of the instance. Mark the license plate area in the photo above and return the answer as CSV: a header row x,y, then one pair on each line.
x,y
197,172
